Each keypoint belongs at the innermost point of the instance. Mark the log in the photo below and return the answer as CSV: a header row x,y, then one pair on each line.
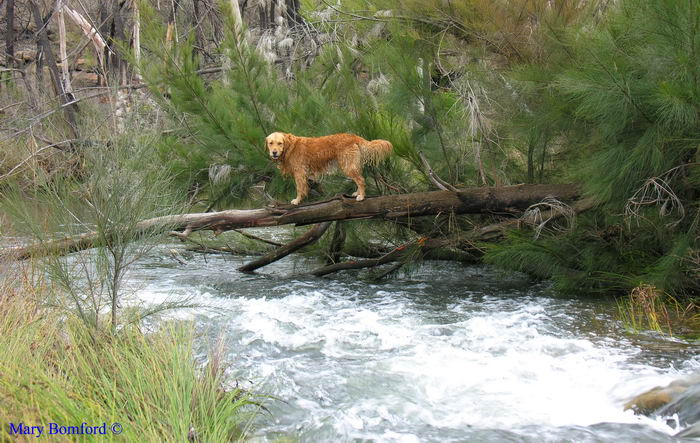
x,y
424,244
483,200
311,236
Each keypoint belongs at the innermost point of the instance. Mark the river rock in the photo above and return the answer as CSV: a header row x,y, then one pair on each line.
x,y
686,406
654,399
680,398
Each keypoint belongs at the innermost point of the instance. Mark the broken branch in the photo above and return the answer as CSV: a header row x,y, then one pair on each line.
x,y
311,236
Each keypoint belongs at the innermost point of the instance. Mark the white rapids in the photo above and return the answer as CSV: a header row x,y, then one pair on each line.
x,y
449,353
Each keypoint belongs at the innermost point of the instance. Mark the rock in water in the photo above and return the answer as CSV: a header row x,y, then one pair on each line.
x,y
648,402
681,397
686,405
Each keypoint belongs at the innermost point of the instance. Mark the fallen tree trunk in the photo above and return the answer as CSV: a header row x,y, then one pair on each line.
x,y
311,236
484,200
424,244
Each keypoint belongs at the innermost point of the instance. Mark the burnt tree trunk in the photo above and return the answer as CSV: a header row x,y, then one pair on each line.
x,y
117,35
198,49
10,33
486,200
64,96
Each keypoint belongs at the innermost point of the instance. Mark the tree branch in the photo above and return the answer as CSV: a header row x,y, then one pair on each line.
x,y
311,236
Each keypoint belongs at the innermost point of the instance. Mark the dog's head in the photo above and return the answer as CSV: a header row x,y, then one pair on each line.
x,y
276,143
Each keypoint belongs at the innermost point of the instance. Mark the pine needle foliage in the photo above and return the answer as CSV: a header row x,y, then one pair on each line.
x,y
224,121
623,95
384,85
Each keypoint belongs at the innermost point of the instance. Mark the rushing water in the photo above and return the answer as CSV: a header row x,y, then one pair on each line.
x,y
448,353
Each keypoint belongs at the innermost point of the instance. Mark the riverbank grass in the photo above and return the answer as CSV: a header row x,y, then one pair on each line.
x,y
142,386
648,308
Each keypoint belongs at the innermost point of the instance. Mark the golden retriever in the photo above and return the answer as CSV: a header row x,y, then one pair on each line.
x,y
310,157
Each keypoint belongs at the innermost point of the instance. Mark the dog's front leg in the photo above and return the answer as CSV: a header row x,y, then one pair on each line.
x,y
302,187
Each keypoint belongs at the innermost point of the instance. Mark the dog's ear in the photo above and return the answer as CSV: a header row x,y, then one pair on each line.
x,y
288,139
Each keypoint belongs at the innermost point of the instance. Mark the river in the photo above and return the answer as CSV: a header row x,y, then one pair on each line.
x,y
446,353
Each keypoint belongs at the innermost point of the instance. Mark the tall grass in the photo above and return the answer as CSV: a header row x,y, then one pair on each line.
x,y
648,308
54,370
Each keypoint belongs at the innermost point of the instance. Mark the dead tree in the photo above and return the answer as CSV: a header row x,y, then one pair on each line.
x,y
112,27
486,200
10,33
66,98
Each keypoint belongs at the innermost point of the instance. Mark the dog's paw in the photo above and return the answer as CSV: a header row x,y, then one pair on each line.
x,y
296,201
354,194
359,198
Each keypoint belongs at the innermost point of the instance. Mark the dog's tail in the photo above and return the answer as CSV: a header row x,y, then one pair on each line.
x,y
375,151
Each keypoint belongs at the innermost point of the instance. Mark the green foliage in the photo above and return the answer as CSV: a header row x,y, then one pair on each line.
x,y
55,371
622,97
381,88
491,92
122,185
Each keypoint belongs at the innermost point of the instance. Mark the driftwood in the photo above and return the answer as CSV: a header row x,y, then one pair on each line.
x,y
484,200
311,236
424,244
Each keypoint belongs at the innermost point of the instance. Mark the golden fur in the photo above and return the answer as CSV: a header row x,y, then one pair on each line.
x,y
310,157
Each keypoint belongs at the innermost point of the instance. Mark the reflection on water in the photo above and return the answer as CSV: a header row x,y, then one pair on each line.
x,y
449,353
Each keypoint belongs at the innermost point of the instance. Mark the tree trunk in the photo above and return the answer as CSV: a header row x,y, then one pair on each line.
x,y
293,14
485,200
10,33
117,35
62,49
63,95
105,23
136,38
198,48
337,242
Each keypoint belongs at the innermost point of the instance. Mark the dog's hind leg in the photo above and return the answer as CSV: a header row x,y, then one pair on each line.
x,y
351,165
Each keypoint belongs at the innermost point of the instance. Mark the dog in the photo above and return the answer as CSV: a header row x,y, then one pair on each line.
x,y
311,157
